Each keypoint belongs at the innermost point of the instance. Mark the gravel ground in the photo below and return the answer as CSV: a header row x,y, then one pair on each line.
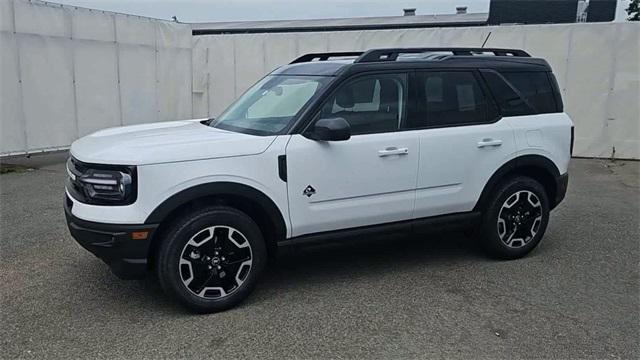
x,y
575,296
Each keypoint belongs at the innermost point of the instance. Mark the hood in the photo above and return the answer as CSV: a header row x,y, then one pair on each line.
x,y
165,142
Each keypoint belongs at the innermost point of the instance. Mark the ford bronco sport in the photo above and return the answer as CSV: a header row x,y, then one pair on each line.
x,y
329,146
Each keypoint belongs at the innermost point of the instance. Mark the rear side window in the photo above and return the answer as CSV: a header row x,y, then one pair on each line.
x,y
449,98
522,93
536,88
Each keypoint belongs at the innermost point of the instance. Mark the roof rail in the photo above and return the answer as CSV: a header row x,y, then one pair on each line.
x,y
325,56
377,55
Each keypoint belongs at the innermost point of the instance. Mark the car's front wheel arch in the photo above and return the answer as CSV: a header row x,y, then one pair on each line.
x,y
244,198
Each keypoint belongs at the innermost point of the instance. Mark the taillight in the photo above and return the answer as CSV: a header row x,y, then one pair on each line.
x,y
572,139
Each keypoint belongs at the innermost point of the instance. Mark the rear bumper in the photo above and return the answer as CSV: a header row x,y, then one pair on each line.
x,y
112,243
562,183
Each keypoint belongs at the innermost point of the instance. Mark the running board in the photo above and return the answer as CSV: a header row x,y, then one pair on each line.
x,y
420,226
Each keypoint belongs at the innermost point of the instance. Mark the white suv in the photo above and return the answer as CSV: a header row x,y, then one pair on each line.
x,y
330,146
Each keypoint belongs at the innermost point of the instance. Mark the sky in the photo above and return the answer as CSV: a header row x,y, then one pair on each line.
x,y
242,10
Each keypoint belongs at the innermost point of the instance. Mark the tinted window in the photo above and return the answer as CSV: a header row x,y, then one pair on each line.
x,y
523,93
370,104
535,88
556,92
509,102
449,99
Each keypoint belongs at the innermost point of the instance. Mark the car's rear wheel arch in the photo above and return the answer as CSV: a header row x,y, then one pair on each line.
x,y
247,199
536,167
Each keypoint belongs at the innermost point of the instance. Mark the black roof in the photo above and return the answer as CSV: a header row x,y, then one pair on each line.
x,y
332,64
532,11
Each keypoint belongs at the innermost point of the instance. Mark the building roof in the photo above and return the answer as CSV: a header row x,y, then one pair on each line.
x,y
361,23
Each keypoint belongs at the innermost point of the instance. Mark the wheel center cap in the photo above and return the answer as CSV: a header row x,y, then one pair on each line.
x,y
215,260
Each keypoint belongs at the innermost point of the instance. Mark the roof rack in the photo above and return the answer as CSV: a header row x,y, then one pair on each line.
x,y
377,55
325,56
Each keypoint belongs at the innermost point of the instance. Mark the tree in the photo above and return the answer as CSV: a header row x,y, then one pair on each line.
x,y
634,10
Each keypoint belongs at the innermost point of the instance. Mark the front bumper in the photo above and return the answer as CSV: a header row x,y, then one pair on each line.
x,y
112,243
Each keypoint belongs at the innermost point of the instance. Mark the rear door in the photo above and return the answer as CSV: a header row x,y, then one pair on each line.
x,y
366,180
462,141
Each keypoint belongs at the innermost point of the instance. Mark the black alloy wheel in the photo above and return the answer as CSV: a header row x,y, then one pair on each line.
x,y
211,258
515,218
215,262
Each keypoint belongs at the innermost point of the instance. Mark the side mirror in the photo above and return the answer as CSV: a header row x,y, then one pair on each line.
x,y
207,121
330,129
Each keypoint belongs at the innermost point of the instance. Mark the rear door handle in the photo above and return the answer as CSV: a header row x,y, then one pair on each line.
x,y
393,151
489,142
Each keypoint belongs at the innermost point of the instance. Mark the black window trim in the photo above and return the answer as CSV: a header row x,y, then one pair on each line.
x,y
555,90
422,111
310,116
307,116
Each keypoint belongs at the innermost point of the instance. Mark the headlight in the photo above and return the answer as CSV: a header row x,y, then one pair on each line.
x,y
101,184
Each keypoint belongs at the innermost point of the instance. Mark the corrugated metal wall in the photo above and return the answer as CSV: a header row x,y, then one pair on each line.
x,y
597,66
67,72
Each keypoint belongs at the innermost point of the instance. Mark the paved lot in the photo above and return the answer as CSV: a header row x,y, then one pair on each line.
x,y
575,296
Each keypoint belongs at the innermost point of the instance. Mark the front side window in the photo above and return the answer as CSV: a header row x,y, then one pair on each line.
x,y
370,104
449,98
271,105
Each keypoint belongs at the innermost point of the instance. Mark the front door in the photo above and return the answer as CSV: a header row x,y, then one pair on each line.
x,y
368,179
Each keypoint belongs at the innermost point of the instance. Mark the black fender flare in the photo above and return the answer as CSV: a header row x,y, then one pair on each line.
x,y
248,193
538,162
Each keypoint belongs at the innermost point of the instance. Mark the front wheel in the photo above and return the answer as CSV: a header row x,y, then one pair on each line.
x,y
516,218
211,259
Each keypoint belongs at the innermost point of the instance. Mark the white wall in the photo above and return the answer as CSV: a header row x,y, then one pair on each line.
x,y
67,71
597,66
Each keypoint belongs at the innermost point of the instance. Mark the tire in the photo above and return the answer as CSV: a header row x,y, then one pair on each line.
x,y
515,218
211,259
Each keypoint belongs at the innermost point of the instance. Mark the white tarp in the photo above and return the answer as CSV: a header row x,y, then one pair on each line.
x,y
68,71
597,66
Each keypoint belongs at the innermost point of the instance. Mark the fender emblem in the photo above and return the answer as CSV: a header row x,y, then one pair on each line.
x,y
308,191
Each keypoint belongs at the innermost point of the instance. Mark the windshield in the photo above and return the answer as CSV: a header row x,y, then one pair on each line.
x,y
271,105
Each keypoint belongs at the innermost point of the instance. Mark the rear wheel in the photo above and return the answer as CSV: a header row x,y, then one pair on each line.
x,y
211,259
516,218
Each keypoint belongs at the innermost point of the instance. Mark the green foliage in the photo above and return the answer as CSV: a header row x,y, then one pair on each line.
x,y
634,10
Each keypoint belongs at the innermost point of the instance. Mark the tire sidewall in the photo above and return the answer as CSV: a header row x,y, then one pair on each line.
x,y
492,241
171,250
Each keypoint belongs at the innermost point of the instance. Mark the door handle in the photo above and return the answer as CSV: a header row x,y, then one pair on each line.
x,y
393,151
489,142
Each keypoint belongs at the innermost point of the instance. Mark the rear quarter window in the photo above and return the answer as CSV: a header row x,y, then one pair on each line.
x,y
535,88
522,93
